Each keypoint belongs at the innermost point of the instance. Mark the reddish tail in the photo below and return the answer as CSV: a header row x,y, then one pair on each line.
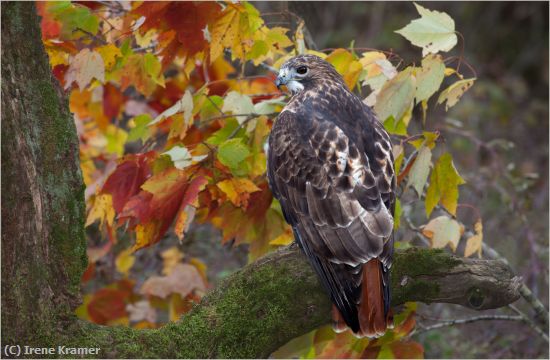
x,y
372,319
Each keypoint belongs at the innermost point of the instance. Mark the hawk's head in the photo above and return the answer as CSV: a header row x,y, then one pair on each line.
x,y
306,72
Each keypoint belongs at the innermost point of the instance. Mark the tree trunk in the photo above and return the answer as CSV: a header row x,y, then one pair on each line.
x,y
250,314
43,243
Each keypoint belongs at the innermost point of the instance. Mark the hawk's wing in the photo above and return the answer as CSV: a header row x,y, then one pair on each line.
x,y
335,186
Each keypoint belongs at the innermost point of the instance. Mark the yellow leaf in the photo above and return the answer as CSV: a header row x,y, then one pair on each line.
x,y
369,62
124,261
116,138
284,239
171,258
238,190
454,92
224,32
145,234
109,53
201,267
474,243
102,210
146,39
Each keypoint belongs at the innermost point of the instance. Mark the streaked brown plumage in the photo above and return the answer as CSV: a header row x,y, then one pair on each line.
x,y
331,167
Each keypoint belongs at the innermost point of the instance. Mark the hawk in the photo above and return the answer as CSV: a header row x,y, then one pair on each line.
x,y
330,165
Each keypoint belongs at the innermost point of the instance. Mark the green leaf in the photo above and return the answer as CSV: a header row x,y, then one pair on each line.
x,y
259,48
420,170
153,67
269,106
442,231
444,183
238,103
434,31
222,134
140,131
429,77
396,96
211,107
181,157
74,17
232,152
397,215
454,92
396,128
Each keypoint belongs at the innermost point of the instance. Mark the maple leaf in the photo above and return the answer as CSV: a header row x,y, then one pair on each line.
x,y
238,190
85,66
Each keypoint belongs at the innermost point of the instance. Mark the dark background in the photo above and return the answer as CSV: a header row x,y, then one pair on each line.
x,y
500,145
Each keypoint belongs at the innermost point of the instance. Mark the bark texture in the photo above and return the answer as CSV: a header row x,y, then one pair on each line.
x,y
249,315
43,243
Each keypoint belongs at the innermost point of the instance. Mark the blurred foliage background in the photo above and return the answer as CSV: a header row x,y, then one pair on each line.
x,y
498,135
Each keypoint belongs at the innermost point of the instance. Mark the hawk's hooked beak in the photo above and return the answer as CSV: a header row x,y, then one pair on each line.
x,y
280,81
282,78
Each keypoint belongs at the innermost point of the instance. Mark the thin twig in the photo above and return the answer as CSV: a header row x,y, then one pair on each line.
x,y
529,322
465,321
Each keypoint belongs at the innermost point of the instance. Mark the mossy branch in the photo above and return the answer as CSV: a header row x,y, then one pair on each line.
x,y
266,304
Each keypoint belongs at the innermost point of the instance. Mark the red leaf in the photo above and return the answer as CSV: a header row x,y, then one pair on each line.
x,y
89,273
112,100
127,178
107,304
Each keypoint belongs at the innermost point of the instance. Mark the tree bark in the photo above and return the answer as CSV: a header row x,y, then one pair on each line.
x,y
249,315
43,242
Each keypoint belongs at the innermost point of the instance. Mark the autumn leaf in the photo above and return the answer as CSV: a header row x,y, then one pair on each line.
x,y
396,96
420,170
237,103
85,66
186,213
474,243
232,152
434,31
442,231
444,183
238,190
106,305
182,158
454,92
124,261
141,310
429,77
127,178
346,65
170,257
102,210
183,279
184,105
109,53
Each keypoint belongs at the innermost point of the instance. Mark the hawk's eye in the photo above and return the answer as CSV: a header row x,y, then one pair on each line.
x,y
301,70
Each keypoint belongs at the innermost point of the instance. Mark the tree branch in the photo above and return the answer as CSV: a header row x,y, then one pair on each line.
x,y
277,298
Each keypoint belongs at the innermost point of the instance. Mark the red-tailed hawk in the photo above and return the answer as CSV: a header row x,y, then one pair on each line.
x,y
330,165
